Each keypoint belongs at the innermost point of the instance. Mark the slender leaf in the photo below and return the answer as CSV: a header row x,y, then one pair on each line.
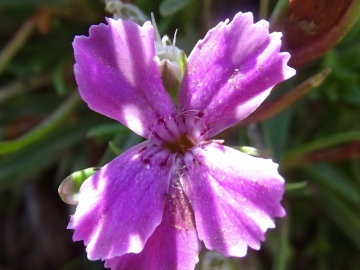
x,y
170,7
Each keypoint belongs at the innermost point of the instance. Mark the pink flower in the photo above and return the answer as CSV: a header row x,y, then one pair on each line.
x,y
150,207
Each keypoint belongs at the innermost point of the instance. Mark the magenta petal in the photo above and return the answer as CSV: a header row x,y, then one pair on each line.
x,y
118,77
235,197
173,245
122,204
229,74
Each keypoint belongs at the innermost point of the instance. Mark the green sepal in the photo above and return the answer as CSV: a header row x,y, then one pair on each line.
x,y
295,186
249,150
182,62
173,88
70,186
116,150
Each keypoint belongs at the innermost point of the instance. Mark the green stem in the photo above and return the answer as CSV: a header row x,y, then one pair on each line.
x,y
282,256
323,143
270,108
206,14
16,43
264,5
347,151
22,86
345,217
50,124
295,186
278,16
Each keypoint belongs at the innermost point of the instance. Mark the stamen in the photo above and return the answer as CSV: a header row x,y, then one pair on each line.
x,y
156,31
174,41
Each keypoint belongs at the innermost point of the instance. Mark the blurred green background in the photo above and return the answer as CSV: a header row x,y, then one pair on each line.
x,y
47,132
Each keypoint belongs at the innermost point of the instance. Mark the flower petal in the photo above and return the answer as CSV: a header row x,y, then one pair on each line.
x,y
122,204
235,197
174,243
118,77
229,74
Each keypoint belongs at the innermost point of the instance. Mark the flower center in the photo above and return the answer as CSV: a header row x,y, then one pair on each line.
x,y
180,146
171,133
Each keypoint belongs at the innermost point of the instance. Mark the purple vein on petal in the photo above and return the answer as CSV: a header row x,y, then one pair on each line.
x,y
118,77
230,72
174,243
235,197
122,204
